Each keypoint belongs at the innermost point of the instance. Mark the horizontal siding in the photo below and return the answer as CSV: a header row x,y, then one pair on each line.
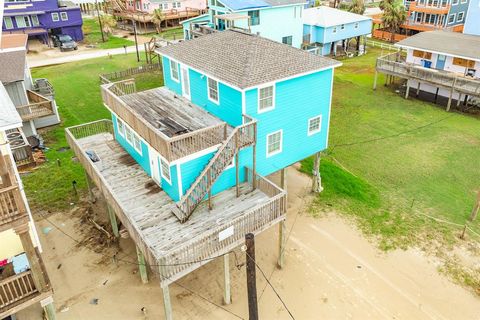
x,y
167,77
296,101
364,28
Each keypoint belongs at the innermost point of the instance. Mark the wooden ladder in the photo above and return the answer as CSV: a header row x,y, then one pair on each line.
x,y
241,137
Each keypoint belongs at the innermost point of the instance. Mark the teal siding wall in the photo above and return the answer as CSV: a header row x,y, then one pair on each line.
x,y
229,107
296,101
142,159
167,77
171,188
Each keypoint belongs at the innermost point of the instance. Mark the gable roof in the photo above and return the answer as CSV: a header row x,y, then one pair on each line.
x,y
245,60
258,4
445,42
12,64
328,17
10,118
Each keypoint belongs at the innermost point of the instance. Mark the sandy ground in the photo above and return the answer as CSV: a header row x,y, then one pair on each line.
x,y
331,272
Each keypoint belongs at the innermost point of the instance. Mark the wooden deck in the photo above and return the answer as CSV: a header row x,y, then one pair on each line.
x,y
38,106
143,115
173,248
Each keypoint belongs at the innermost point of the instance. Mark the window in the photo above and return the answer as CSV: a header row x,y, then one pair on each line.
x,y
213,90
342,27
55,16
35,21
128,135
8,23
64,16
356,25
174,70
451,18
121,128
463,62
254,17
23,21
274,143
287,40
334,30
265,99
460,16
454,2
137,143
314,125
165,169
422,54
164,6
176,5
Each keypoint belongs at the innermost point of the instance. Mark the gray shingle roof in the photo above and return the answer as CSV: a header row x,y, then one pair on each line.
x,y
245,60
12,65
446,42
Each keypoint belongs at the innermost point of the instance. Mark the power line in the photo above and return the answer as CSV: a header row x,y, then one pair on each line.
x,y
270,284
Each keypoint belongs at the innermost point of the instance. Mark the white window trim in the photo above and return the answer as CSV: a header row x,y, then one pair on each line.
x,y
454,18
281,143
311,133
57,15
273,99
169,180
171,73
11,22
139,149
218,91
463,16
121,132
66,16
455,2
37,20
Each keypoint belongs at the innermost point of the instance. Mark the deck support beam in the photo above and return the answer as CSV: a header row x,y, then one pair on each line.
x,y
113,220
408,90
142,266
167,304
91,196
375,80
237,174
418,88
316,179
50,311
227,298
282,228
449,104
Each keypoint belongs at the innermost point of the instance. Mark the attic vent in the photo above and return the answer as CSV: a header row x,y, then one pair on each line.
x,y
171,127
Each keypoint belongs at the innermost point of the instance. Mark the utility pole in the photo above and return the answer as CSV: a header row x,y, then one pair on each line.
x,y
99,21
251,277
135,34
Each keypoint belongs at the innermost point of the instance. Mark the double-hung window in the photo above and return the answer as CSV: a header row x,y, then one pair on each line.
x,y
55,17
266,99
174,70
8,22
254,17
460,16
137,143
314,125
165,169
274,143
451,18
23,21
64,16
213,90
35,21
128,135
121,128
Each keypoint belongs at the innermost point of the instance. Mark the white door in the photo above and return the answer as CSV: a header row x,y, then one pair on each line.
x,y
185,83
154,166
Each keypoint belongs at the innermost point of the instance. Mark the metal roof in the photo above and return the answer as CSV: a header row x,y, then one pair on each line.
x,y
12,65
328,17
445,42
10,118
245,60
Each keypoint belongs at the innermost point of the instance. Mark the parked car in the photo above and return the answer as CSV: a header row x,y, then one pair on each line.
x,y
64,41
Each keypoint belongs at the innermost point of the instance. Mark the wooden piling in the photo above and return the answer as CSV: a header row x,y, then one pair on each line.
x,y
142,267
282,229
113,220
251,277
227,299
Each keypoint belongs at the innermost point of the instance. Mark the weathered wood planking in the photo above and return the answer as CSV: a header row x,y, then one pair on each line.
x,y
145,209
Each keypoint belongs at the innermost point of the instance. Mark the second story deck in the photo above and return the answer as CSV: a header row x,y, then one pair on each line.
x,y
38,106
169,123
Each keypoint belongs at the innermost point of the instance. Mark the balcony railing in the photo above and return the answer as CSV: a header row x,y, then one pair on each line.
x,y
16,288
11,207
171,148
439,8
395,64
38,106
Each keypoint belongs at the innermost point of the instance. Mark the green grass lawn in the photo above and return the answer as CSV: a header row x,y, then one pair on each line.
x,y
388,184
93,36
77,88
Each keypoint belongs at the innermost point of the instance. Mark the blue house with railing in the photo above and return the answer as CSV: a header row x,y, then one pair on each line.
x,y
326,28
278,20
184,166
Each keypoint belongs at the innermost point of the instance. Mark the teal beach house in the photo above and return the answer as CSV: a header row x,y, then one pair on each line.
x,y
260,17
184,167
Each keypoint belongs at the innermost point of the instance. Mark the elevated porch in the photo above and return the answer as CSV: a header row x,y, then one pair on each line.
x,y
169,246
38,106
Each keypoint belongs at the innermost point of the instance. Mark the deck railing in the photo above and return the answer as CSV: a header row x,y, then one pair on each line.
x,y
38,106
16,288
442,8
11,205
394,64
171,148
256,219
241,137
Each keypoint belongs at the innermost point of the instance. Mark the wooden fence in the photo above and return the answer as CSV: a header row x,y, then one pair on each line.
x,y
117,75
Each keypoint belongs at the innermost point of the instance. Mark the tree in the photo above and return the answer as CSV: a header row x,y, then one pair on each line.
x,y
357,6
394,15
157,19
108,23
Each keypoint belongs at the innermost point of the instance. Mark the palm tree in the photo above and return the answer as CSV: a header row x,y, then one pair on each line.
x,y
108,23
157,19
394,15
357,6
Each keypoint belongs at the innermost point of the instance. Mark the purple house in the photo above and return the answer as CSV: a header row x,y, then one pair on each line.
x,y
41,18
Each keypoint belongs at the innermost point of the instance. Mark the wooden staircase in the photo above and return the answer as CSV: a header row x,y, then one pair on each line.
x,y
241,137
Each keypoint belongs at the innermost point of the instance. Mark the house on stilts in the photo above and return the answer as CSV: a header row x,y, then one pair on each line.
x,y
183,167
